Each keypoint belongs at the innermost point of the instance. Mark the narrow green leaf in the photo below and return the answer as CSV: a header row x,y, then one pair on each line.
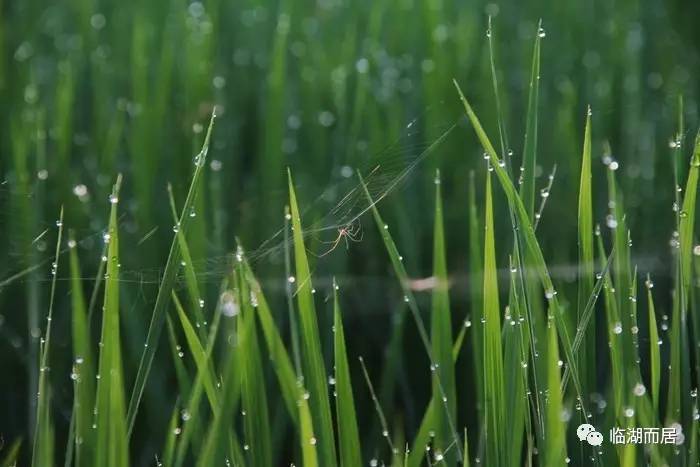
x,y
10,458
112,440
307,439
527,188
198,353
614,328
687,217
516,345
192,287
527,234
476,289
422,438
555,433
212,450
42,451
654,350
586,260
256,423
466,448
441,338
348,436
315,375
292,389
494,390
415,457
503,135
220,432
678,337
183,377
166,286
83,366
279,357
171,437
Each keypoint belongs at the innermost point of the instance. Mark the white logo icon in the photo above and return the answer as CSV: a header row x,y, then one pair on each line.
x,y
583,430
594,438
587,432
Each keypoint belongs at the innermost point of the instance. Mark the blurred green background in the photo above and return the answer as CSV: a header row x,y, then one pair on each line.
x,y
89,89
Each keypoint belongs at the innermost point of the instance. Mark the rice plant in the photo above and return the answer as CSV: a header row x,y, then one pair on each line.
x,y
477,256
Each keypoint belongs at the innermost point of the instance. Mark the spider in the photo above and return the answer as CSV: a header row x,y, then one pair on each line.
x,y
352,231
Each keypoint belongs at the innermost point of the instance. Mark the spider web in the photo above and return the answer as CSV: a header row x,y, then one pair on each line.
x,y
343,203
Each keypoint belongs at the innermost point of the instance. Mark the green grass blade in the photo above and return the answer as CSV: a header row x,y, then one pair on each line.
x,y
348,436
586,259
654,349
476,289
42,451
272,161
314,369
253,392
527,188
528,236
12,454
516,347
616,349
198,354
494,390
292,390
587,314
466,449
687,218
229,397
214,450
678,337
83,365
112,440
308,440
441,337
171,436
555,433
166,286
378,409
196,302
415,457
279,357
422,438
502,134
181,374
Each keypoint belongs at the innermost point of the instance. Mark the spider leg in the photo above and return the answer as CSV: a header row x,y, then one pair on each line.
x,y
357,234
331,242
360,236
333,247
